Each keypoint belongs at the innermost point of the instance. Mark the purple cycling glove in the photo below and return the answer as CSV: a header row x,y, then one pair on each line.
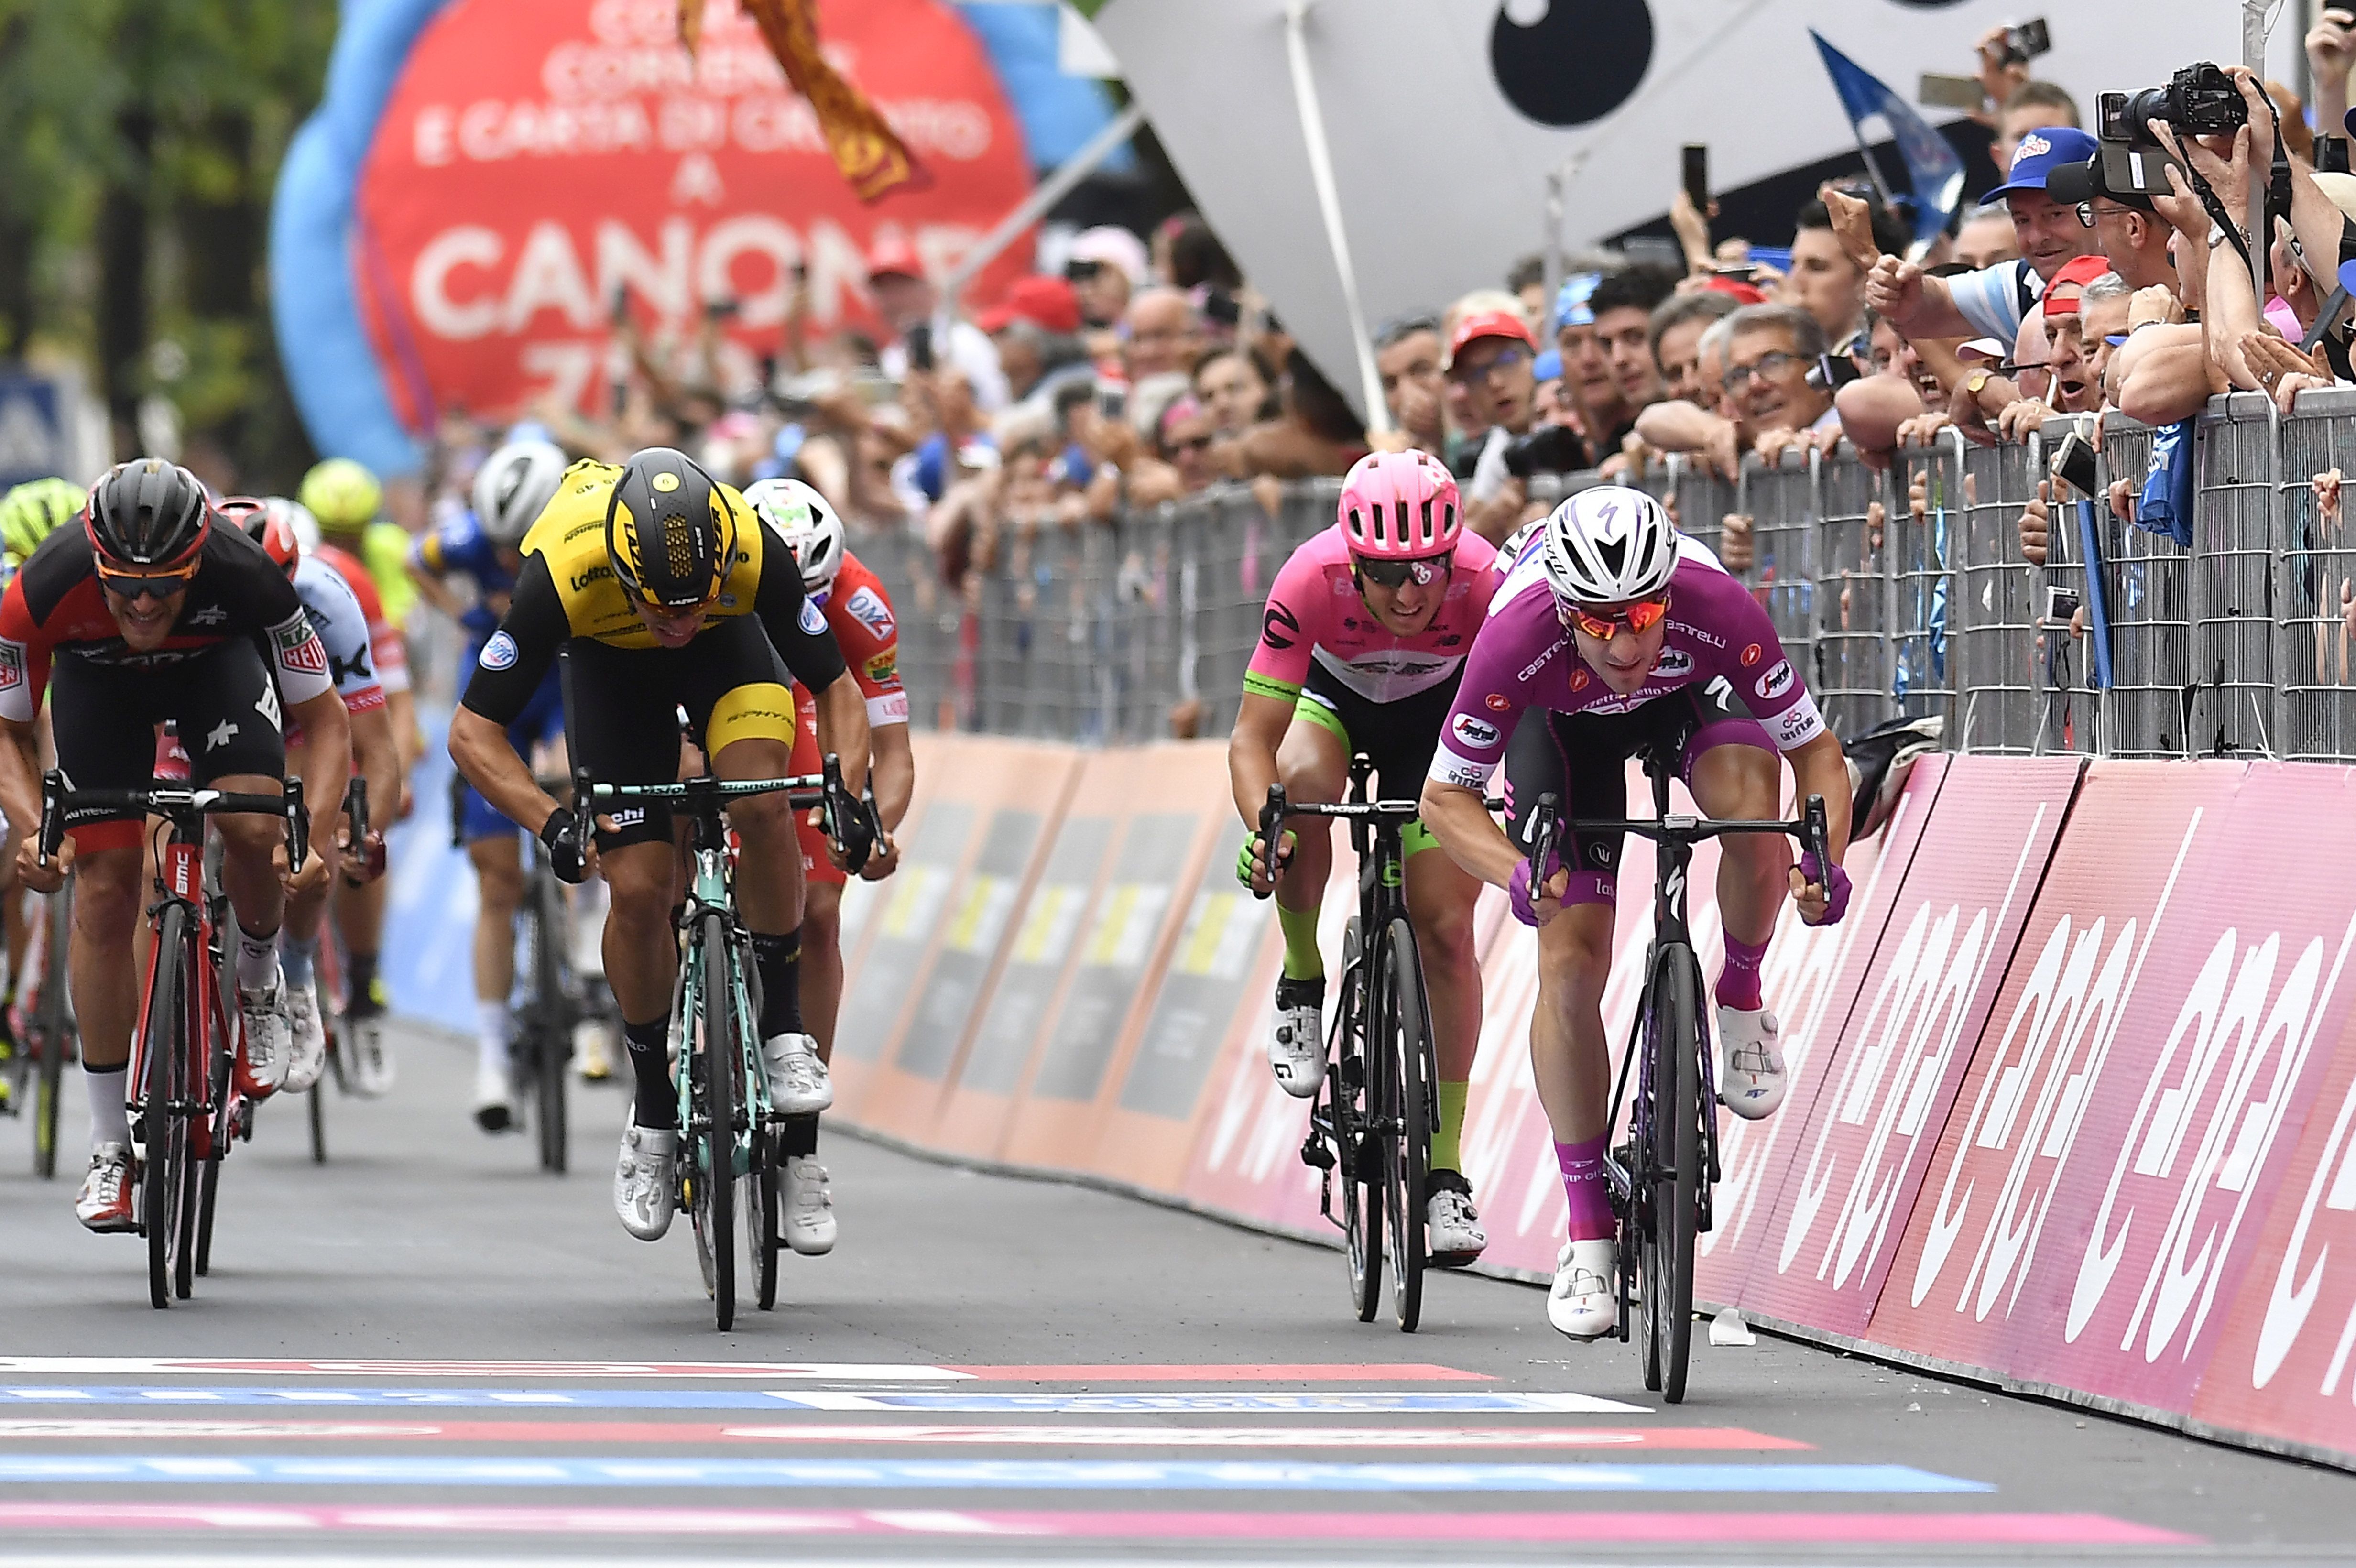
x,y
1520,891
1835,885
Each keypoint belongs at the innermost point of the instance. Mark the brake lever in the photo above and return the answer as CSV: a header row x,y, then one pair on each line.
x,y
298,827
53,822
1272,833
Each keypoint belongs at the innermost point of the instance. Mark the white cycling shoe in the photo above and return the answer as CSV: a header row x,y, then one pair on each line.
x,y
372,1064
494,1098
265,1046
808,1222
104,1204
307,1034
1455,1225
799,1084
646,1180
1296,1046
1582,1303
1750,1078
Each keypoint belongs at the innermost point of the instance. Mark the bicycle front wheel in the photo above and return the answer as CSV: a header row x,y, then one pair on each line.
x,y
1407,1069
163,1131
759,1191
1673,1166
1360,1153
224,1124
719,1058
552,1045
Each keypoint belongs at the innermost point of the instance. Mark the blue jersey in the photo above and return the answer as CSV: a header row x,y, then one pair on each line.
x,y
460,548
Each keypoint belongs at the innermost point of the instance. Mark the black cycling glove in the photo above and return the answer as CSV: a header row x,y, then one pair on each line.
x,y
561,836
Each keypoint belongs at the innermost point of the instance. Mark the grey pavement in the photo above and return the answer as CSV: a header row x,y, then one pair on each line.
x,y
424,1240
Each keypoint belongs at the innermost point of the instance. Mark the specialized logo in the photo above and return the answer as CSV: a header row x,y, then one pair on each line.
x,y
267,703
299,648
1675,664
500,652
1473,731
867,607
812,622
1280,628
1751,654
1497,701
1776,681
12,666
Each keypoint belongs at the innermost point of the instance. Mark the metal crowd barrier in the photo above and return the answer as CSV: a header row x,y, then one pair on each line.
x,y
1900,590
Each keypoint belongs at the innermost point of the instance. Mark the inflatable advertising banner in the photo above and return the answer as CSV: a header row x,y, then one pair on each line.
x,y
489,180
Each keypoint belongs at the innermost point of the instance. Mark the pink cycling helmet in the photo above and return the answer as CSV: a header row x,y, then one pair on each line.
x,y
1400,506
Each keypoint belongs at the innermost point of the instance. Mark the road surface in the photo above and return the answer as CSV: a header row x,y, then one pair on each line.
x,y
987,1370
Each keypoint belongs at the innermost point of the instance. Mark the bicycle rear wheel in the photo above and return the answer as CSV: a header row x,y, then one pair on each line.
x,y
1360,1154
551,1043
1674,1162
759,1190
224,1130
1405,1053
718,1061
163,1131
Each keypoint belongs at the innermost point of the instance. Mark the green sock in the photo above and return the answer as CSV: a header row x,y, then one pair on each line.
x,y
1302,959
1445,1152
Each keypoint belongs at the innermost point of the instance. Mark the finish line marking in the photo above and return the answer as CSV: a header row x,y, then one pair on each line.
x,y
1558,1526
822,1372
683,1432
1054,1475
1200,1402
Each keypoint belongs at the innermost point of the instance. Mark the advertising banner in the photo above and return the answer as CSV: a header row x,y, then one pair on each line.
x,y
1862,1127
540,165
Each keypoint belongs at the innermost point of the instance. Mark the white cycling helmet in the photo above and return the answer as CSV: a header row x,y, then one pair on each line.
x,y
801,516
513,485
1608,546
299,517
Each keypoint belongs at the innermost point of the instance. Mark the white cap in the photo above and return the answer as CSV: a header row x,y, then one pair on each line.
x,y
1115,246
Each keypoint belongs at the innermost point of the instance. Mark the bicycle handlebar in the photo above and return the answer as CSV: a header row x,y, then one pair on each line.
x,y
850,825
58,800
1811,827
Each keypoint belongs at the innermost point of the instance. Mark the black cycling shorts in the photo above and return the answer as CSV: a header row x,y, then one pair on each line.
x,y
1582,760
1399,737
223,697
624,706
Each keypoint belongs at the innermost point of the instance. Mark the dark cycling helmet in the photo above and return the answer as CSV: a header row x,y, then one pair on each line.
x,y
670,531
148,514
270,524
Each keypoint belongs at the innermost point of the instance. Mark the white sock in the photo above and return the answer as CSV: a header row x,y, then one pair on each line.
x,y
295,960
492,1033
257,960
107,1124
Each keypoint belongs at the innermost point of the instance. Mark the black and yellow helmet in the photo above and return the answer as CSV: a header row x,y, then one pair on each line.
x,y
671,530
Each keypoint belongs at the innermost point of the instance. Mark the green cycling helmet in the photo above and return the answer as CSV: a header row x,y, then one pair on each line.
x,y
33,510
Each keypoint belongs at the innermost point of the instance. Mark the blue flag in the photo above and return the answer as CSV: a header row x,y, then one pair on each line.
x,y
1932,166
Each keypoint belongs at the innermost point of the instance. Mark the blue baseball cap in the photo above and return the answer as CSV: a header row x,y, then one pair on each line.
x,y
1548,367
1570,308
2041,152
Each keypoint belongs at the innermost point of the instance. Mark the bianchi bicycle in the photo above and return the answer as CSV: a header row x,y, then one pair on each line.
x,y
1661,1178
729,1132
186,1110
41,1022
1370,1126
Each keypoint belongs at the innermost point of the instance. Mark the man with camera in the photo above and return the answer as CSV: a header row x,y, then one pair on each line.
x,y
1491,352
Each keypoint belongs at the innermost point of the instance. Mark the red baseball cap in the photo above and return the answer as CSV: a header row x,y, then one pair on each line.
x,y
2075,275
1735,289
1047,302
1483,324
892,256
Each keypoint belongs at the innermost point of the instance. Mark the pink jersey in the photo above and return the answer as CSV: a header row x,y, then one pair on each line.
x,y
1314,609
1527,658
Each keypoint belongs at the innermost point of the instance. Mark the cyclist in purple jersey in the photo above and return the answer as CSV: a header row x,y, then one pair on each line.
x,y
1363,636
1616,638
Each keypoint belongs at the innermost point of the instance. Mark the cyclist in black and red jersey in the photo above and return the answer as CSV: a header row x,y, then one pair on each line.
x,y
146,612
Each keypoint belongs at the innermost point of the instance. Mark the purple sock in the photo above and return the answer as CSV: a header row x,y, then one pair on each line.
x,y
1738,983
1582,1187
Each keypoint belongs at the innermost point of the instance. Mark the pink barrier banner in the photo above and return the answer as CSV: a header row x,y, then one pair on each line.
x,y
2102,1185
1862,1123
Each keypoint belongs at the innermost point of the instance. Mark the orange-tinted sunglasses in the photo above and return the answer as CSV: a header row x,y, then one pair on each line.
x,y
1641,616
137,586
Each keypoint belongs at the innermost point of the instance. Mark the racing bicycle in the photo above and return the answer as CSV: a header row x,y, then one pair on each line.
x,y
1370,1126
186,1110
729,1132
1661,1178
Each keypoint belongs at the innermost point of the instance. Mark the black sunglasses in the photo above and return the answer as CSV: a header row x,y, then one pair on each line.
x,y
1396,573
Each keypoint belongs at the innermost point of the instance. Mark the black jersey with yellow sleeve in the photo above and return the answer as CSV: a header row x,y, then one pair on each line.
x,y
566,589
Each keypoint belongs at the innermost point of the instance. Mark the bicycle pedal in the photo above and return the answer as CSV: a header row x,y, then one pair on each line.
x,y
1315,1155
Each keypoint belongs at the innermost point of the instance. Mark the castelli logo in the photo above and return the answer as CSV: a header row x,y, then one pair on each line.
x,y
1497,701
1750,655
1578,680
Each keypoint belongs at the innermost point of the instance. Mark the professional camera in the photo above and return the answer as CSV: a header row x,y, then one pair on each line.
x,y
2199,100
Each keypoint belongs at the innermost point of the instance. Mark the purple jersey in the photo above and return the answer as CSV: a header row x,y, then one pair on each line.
x,y
1526,657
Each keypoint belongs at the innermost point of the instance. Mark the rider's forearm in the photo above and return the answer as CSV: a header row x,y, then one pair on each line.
x,y
20,775
326,762
894,774
1260,729
437,594
1459,819
842,728
480,749
1819,768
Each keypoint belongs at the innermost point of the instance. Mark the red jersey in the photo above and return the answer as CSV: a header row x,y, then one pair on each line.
x,y
388,649
861,618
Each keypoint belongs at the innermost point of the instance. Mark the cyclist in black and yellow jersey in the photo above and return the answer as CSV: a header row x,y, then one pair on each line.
x,y
669,593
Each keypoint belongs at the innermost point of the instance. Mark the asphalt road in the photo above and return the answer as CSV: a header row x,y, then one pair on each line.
x,y
987,1370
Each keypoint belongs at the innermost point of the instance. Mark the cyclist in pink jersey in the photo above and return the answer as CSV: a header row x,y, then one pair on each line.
x,y
1361,645
1617,637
